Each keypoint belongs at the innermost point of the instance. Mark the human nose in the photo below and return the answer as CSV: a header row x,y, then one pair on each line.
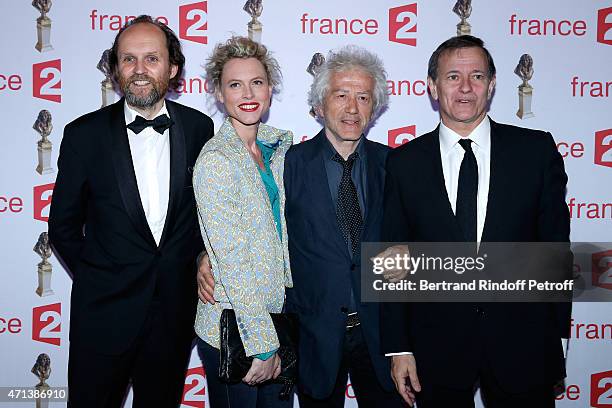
x,y
139,67
351,104
466,85
247,92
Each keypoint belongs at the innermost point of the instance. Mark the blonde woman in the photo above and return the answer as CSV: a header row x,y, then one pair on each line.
x,y
239,190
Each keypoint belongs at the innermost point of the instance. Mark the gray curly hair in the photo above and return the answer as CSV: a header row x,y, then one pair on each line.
x,y
348,58
240,47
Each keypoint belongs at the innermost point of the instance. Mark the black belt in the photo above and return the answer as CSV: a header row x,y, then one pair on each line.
x,y
352,320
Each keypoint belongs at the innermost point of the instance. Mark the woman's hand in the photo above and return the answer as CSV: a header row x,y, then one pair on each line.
x,y
262,371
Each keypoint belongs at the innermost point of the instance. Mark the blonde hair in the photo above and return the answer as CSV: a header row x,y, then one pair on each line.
x,y
240,47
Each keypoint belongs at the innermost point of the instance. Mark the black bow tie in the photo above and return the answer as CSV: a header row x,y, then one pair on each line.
x,y
160,124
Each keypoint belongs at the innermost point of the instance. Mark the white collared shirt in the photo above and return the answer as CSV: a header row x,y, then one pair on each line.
x,y
151,159
452,153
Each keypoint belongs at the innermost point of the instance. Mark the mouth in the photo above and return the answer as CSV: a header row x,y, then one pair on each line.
x,y
249,107
464,101
351,123
141,83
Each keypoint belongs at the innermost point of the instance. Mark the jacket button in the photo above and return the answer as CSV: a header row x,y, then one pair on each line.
x,y
353,266
344,309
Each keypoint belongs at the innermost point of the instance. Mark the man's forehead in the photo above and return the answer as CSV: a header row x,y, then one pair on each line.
x,y
464,55
143,33
352,77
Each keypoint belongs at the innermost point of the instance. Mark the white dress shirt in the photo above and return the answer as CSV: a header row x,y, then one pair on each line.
x,y
151,159
452,153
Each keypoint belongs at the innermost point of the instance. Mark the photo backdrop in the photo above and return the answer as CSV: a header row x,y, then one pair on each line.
x,y
569,42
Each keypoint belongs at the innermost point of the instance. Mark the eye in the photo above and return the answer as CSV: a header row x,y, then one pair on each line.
x,y
364,98
340,95
152,58
258,82
234,85
478,77
453,77
127,58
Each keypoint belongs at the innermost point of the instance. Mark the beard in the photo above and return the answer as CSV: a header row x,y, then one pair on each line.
x,y
155,94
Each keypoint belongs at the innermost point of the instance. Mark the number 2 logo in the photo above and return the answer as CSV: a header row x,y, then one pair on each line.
x,y
601,390
403,24
194,392
193,22
47,80
47,323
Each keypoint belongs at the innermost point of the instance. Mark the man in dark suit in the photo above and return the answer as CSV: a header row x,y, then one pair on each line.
x,y
123,220
334,187
470,180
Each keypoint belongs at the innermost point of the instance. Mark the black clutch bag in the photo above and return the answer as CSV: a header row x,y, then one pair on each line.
x,y
235,364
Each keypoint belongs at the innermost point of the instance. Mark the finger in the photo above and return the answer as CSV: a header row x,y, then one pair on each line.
x,y
277,371
210,280
248,378
410,392
204,296
414,379
404,394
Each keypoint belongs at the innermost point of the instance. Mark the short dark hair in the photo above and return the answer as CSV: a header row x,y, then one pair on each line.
x,y
175,54
455,43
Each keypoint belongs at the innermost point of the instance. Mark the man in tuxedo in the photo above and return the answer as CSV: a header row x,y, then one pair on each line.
x,y
470,180
123,220
334,189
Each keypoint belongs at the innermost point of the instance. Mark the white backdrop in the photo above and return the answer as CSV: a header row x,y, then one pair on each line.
x,y
570,43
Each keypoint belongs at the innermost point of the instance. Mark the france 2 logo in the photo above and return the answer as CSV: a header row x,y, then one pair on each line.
x,y
193,22
403,24
601,266
43,195
47,323
603,147
601,390
604,26
399,136
194,392
47,80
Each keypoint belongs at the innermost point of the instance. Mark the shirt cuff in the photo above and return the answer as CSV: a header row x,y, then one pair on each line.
x,y
265,356
564,344
401,353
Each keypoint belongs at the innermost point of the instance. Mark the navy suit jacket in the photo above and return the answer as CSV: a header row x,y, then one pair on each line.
x,y
323,270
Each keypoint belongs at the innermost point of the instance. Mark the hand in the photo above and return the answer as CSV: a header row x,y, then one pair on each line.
x,y
206,282
404,375
262,371
394,275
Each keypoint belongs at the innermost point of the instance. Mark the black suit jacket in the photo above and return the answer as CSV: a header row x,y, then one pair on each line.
x,y
98,228
322,268
526,203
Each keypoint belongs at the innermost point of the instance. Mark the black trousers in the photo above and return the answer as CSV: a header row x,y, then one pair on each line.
x,y
492,395
155,364
355,362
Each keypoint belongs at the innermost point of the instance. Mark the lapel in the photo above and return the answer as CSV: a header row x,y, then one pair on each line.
x,y
125,174
498,171
319,188
178,167
375,179
447,217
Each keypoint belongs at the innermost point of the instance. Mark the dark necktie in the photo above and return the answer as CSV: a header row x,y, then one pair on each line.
x,y
467,191
348,212
160,124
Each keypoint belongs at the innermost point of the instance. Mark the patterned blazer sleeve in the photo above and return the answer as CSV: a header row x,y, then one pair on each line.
x,y
217,191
